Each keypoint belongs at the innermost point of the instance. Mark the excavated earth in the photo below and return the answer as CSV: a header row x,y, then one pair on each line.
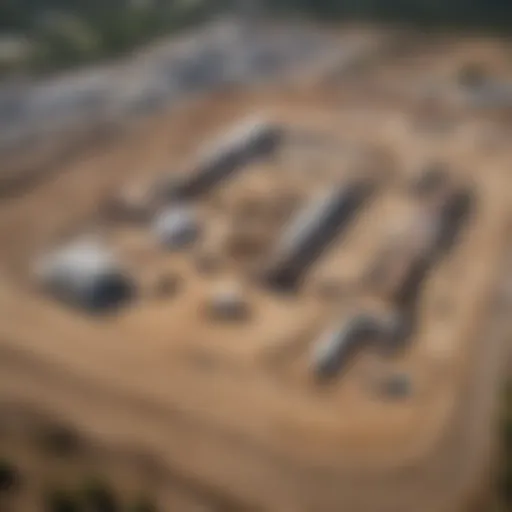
x,y
161,400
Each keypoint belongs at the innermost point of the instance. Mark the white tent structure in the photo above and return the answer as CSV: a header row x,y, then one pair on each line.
x,y
85,274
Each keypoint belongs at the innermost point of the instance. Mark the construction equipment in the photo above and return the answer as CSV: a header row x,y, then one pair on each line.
x,y
246,142
396,278
312,230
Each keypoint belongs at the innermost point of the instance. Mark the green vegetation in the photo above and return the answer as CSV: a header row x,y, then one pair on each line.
x,y
9,476
505,474
58,500
143,504
98,495
68,32
95,495
495,13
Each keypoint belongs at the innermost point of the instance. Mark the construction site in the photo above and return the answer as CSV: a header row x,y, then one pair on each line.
x,y
290,297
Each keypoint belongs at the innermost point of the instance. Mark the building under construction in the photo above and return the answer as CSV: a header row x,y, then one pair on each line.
x,y
269,300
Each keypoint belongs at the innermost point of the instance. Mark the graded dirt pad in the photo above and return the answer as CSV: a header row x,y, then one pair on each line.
x,y
227,413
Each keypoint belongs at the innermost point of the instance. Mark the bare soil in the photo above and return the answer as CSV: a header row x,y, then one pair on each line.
x,y
228,415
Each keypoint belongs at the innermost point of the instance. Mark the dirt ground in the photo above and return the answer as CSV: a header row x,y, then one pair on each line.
x,y
228,415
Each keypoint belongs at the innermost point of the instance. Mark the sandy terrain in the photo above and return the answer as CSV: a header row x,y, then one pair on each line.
x,y
228,415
